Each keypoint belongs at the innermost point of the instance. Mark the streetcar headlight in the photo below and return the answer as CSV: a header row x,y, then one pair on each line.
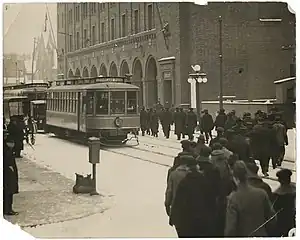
x,y
118,122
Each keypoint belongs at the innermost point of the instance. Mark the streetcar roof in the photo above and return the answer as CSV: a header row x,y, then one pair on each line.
x,y
38,101
106,85
11,98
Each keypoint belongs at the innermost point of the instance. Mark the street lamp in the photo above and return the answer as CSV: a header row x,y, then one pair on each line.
x,y
194,78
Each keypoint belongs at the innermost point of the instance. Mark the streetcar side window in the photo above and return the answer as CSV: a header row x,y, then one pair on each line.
x,y
131,102
117,102
101,102
68,102
60,101
56,102
64,102
89,102
74,102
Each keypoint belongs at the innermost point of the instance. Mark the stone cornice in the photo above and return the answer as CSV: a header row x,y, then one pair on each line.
x,y
131,39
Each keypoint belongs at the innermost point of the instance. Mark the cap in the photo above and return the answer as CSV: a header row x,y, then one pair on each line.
x,y
284,174
220,129
185,143
223,141
187,159
201,136
252,168
240,170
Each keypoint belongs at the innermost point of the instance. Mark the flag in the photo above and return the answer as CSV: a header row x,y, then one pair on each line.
x,y
46,19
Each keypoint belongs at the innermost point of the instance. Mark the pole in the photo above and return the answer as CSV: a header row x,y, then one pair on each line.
x,y
221,63
32,63
16,72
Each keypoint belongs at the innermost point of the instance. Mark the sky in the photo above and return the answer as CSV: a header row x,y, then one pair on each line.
x,y
24,21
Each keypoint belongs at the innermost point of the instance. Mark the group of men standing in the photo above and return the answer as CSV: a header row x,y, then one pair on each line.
x,y
215,191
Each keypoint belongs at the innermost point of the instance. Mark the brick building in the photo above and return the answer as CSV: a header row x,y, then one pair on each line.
x,y
158,42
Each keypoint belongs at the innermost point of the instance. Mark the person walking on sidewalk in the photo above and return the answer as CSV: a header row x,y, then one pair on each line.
x,y
10,175
207,125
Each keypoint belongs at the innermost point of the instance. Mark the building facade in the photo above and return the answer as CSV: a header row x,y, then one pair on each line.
x,y
158,42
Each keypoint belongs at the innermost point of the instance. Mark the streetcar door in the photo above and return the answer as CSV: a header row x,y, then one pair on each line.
x,y
82,111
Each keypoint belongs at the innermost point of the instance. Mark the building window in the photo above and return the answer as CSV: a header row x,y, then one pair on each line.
x,y
58,20
93,35
77,40
117,102
150,17
102,32
71,16
136,21
77,13
62,20
124,25
112,29
93,8
85,10
132,102
71,43
102,6
84,37
102,103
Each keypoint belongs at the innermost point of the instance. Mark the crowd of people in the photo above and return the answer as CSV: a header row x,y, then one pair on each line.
x,y
213,187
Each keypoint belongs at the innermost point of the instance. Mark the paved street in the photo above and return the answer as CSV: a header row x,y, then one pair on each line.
x,y
135,186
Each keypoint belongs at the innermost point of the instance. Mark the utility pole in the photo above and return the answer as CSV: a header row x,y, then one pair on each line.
x,y
32,63
17,72
221,63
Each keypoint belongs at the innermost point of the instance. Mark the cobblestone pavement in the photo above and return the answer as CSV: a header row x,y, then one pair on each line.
x,y
46,197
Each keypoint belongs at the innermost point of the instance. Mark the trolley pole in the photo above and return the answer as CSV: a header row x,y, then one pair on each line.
x,y
16,72
221,63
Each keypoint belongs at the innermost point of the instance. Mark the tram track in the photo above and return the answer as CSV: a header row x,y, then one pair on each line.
x,y
132,152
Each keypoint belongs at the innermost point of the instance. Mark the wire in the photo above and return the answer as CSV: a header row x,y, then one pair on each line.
x,y
22,5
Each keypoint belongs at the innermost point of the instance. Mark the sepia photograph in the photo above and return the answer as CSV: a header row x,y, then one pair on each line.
x,y
149,119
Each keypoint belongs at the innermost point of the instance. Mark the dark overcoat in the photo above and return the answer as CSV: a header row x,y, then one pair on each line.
x,y
248,208
179,120
191,121
207,123
166,118
285,199
16,131
192,209
144,119
221,120
10,171
154,121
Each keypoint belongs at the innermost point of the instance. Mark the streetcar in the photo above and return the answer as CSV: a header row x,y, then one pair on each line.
x,y
103,107
13,106
35,103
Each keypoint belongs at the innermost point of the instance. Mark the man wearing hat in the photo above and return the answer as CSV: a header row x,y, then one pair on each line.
x,y
10,174
284,201
207,124
220,119
220,134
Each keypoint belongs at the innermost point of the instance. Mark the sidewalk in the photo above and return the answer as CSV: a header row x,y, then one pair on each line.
x,y
46,197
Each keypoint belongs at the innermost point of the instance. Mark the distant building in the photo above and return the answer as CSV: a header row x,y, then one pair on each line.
x,y
158,42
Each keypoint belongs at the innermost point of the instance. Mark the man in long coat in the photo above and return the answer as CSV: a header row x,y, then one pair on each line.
x,y
192,208
154,123
16,131
143,120
207,124
166,122
179,121
10,175
248,208
220,119
191,123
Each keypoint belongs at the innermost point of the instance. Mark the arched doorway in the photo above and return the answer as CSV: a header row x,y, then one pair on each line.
x,y
85,72
137,79
77,73
70,74
103,70
113,71
124,69
94,72
151,82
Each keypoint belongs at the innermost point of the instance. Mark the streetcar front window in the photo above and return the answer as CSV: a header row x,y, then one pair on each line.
x,y
131,102
90,103
117,102
101,102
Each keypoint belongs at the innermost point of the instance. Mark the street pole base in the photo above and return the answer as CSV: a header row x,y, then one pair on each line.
x,y
94,193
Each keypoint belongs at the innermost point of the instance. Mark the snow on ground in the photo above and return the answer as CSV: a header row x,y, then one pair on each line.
x,y
138,188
